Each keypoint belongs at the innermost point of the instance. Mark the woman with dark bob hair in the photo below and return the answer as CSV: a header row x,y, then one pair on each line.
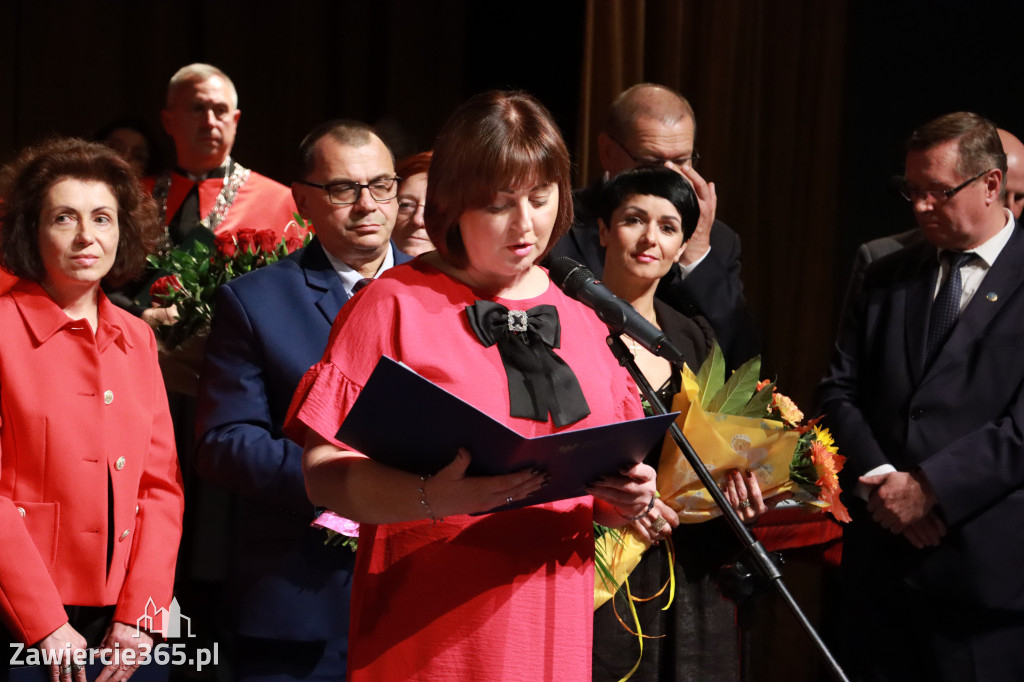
x,y
90,490
647,216
444,589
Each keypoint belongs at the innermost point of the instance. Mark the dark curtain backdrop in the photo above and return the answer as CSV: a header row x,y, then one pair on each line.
x,y
913,61
802,105
765,79
70,66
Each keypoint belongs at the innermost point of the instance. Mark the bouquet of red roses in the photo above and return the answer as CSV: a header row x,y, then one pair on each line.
x,y
194,273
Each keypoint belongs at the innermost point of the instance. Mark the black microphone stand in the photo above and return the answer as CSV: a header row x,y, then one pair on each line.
x,y
760,558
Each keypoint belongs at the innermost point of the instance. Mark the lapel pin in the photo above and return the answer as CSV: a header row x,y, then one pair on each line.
x,y
991,297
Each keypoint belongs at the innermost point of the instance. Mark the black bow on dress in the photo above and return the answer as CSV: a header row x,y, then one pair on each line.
x,y
539,381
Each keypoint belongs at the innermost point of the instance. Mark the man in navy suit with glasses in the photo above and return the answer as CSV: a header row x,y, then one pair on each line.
x,y
288,591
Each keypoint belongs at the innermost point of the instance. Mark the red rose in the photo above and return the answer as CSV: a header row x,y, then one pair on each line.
x,y
293,243
247,240
162,289
268,240
225,243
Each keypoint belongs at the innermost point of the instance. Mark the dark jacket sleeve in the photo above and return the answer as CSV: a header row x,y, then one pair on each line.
x,y
239,446
714,291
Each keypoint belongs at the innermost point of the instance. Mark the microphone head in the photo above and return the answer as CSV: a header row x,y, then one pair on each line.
x,y
570,276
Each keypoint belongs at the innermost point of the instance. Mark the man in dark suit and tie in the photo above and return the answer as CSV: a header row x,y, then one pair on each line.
x,y
1013,199
288,591
651,125
925,395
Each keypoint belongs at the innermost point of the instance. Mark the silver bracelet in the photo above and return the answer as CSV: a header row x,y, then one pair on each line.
x,y
645,512
423,500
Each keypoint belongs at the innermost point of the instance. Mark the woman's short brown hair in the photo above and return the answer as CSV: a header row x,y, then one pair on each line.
x,y
495,140
413,165
25,182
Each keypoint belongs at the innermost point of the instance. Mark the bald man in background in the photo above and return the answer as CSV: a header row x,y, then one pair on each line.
x,y
1014,149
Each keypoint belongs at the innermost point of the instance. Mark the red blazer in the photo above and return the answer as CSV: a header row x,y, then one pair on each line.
x,y
77,410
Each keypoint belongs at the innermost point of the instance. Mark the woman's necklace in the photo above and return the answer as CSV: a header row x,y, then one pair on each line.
x,y
631,343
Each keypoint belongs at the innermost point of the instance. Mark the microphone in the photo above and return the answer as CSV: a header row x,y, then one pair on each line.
x,y
579,283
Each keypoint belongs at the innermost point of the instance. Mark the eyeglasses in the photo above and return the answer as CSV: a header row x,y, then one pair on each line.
x,y
650,161
934,195
346,193
408,207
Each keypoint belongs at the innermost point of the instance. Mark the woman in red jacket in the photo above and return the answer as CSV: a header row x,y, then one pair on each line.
x,y
90,490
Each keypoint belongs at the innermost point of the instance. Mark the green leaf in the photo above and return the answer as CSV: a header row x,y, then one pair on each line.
x,y
757,406
711,375
602,563
736,392
201,269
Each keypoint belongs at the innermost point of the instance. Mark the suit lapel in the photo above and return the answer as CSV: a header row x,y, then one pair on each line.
x,y
400,256
918,307
1002,279
321,277
176,193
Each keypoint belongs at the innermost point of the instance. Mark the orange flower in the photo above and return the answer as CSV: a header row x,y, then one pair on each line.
x,y
812,424
787,409
828,465
824,464
838,509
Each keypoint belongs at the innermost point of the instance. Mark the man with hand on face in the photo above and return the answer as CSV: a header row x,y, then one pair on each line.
x,y
651,125
289,591
925,396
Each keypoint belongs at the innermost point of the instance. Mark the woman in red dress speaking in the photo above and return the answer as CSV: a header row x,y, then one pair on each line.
x,y
444,591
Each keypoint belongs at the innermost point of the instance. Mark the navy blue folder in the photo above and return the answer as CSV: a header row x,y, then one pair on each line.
x,y
434,424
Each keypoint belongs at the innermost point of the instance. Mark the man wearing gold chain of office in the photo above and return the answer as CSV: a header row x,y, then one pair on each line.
x,y
208,192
